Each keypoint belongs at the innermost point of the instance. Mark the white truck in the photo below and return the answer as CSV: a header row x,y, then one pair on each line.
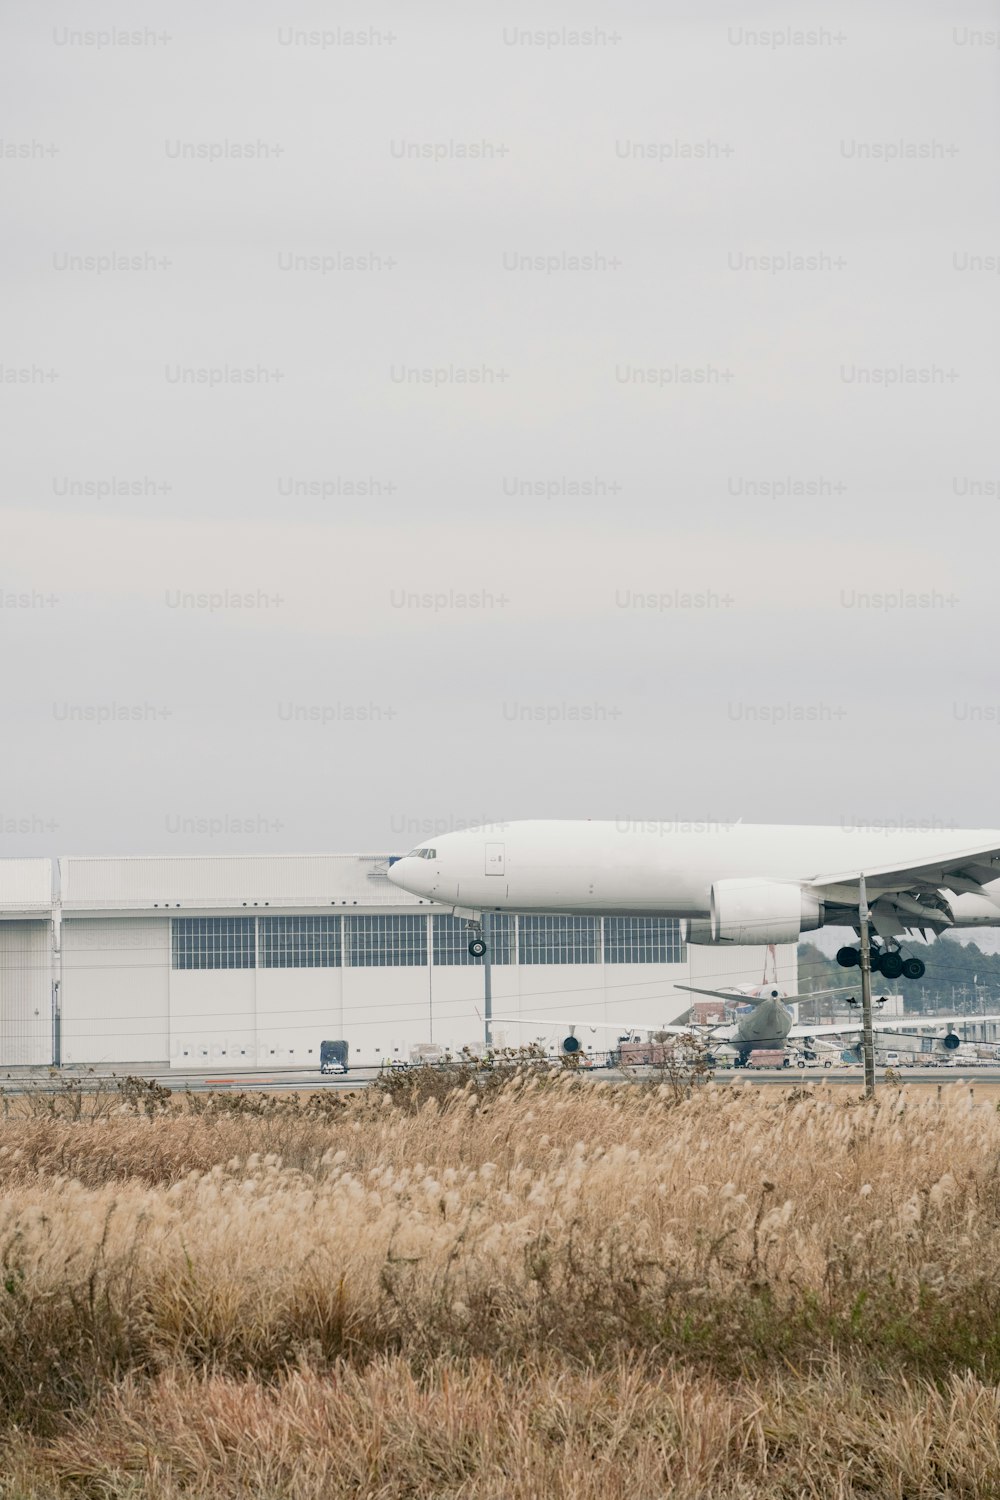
x,y
426,1054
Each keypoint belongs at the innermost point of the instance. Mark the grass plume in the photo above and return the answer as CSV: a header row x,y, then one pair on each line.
x,y
518,1286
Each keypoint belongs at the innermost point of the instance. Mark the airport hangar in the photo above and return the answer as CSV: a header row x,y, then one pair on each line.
x,y
230,961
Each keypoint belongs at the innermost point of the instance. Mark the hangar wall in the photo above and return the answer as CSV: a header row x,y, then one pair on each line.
x,y
217,961
149,989
25,962
114,990
25,993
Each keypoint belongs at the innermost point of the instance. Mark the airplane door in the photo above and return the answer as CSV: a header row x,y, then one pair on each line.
x,y
494,859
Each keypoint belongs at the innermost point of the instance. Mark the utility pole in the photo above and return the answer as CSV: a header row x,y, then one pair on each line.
x,y
867,1035
57,983
487,926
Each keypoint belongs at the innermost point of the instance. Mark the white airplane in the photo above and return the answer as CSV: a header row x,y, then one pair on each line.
x,y
729,884
764,1021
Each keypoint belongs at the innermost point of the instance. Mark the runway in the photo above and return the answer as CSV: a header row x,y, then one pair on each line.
x,y
295,1080
854,1077
51,1081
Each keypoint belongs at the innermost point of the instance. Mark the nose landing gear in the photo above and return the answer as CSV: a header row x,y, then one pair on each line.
x,y
477,944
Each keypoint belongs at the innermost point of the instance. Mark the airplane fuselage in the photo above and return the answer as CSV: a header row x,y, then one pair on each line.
x,y
767,1025
665,869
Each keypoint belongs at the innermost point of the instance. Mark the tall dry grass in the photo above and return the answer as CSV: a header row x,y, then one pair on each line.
x,y
533,1287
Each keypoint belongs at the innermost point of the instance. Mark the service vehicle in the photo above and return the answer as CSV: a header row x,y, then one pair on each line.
x,y
333,1057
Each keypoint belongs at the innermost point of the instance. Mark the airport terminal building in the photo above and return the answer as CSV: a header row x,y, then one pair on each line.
x,y
229,961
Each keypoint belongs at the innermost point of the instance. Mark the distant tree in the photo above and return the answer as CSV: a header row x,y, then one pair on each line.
x,y
960,977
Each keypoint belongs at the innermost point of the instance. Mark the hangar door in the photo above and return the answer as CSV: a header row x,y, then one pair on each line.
x,y
25,993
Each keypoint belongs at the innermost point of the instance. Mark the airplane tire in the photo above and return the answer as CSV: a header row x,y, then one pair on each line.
x,y
892,965
913,968
477,947
828,1063
848,958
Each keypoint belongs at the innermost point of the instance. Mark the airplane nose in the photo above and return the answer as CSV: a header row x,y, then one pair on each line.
x,y
410,874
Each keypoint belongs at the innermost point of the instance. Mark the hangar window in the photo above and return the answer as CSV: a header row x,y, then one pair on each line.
x,y
213,943
386,942
642,940
451,940
559,940
299,942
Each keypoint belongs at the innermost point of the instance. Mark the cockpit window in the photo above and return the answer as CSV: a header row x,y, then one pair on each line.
x,y
422,854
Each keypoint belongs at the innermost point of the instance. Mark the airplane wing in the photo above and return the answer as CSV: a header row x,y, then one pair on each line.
x,y
618,1026
911,1023
966,871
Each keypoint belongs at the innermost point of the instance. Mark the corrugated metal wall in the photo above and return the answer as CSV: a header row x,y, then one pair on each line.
x,y
25,993
314,880
115,989
25,883
715,968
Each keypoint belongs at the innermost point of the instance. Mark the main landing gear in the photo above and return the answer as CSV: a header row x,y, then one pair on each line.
x,y
886,961
477,943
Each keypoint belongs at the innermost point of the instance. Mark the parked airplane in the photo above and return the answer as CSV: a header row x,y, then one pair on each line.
x,y
768,1024
730,884
771,1023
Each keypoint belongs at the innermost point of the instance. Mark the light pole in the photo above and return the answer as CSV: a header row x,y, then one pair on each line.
x,y
487,926
867,1035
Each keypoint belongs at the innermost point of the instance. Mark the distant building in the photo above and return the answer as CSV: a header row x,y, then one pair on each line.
x,y
230,961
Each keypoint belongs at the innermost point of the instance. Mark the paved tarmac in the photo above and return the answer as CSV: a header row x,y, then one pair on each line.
x,y
854,1077
283,1080
271,1080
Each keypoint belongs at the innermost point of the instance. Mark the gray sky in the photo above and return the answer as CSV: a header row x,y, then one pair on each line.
x,y
448,558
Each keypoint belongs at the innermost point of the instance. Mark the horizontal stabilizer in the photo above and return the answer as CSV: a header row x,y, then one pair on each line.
x,y
779,994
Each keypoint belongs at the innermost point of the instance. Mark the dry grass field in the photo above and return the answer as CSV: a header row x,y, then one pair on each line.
x,y
473,1287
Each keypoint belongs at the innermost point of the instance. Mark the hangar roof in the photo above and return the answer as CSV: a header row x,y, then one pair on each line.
x,y
25,887
221,882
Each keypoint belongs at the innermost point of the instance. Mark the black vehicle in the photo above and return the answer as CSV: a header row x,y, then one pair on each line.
x,y
333,1057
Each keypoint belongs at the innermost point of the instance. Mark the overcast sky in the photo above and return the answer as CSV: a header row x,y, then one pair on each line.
x,y
544,314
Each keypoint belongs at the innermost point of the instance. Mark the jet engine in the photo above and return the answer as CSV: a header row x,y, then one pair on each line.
x,y
570,1046
696,930
762,911
951,1041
